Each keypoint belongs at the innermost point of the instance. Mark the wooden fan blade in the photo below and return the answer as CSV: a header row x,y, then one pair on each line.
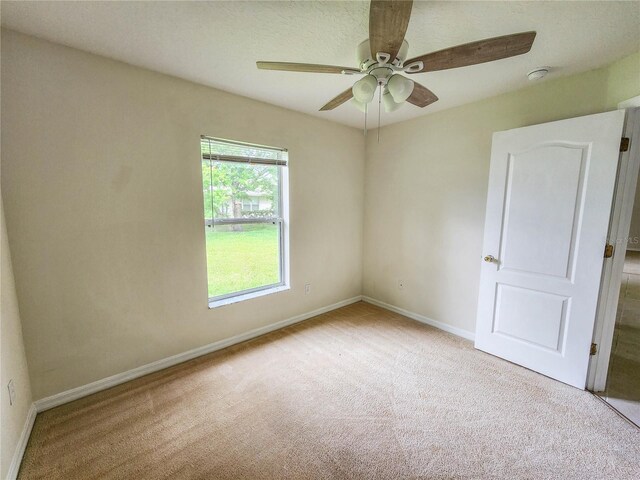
x,y
421,96
473,53
339,100
388,22
305,67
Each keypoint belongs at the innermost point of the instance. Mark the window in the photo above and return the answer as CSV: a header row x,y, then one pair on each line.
x,y
251,205
245,190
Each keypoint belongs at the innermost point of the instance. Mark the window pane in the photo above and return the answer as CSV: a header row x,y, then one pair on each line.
x,y
242,257
237,190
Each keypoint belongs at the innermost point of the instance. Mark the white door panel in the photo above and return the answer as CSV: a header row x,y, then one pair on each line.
x,y
542,169
518,310
548,206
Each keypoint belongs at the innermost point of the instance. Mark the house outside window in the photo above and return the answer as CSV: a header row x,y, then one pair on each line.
x,y
245,191
252,204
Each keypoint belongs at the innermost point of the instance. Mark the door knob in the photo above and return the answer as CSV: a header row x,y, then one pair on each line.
x,y
490,259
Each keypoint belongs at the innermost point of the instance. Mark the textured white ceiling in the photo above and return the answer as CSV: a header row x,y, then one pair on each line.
x,y
217,43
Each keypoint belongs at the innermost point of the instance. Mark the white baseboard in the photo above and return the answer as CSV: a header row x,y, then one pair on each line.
x,y
22,443
422,319
99,385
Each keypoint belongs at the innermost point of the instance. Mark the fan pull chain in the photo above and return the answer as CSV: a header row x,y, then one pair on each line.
x,y
379,108
366,109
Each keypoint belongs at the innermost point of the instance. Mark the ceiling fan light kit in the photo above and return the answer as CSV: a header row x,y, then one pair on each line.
x,y
383,56
365,88
400,88
389,103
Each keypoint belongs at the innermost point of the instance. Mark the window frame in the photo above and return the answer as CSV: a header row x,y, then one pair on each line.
x,y
281,221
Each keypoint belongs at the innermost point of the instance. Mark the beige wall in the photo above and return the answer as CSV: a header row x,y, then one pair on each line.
x,y
426,188
103,199
101,182
13,362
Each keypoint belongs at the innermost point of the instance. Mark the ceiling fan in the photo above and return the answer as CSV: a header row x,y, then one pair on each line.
x,y
384,54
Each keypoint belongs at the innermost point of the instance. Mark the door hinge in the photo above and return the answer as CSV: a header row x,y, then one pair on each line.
x,y
624,144
594,349
608,251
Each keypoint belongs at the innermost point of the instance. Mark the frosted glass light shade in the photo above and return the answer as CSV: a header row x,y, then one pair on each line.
x,y
389,104
400,88
364,89
359,105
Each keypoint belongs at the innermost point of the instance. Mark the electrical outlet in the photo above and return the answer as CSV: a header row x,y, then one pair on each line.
x,y
12,392
307,288
400,284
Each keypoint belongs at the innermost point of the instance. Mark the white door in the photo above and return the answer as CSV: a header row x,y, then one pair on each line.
x,y
548,208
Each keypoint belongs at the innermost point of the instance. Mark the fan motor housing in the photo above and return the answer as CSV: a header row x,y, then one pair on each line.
x,y
363,55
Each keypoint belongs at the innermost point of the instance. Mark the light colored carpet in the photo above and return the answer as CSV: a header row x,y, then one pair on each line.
x,y
357,393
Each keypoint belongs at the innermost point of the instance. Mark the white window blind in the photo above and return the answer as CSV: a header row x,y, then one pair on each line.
x,y
232,151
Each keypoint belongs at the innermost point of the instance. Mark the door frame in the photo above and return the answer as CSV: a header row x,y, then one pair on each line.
x,y
622,209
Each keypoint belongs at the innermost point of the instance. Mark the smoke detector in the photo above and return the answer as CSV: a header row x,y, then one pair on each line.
x,y
538,73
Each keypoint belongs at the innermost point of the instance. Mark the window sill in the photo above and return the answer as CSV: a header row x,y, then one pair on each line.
x,y
247,296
